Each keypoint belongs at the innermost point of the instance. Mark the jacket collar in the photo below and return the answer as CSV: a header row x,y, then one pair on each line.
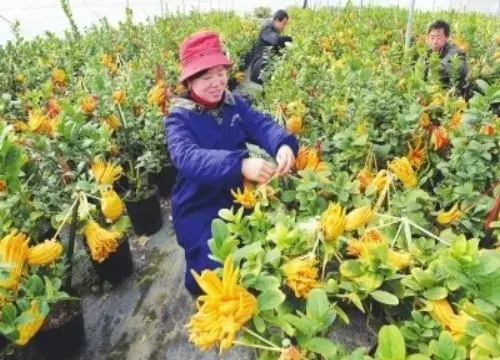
x,y
184,102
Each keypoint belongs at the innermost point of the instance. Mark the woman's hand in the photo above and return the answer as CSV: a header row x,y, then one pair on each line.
x,y
285,159
256,169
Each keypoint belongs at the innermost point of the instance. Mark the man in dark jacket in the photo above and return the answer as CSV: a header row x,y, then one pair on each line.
x,y
269,39
437,41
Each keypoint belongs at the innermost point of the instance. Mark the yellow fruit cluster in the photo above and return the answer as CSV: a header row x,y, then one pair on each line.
x,y
222,312
333,221
111,204
309,158
246,198
101,242
45,253
301,275
401,167
14,251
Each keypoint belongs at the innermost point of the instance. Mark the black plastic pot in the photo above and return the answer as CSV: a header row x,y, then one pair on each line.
x,y
121,185
165,180
145,214
118,265
61,342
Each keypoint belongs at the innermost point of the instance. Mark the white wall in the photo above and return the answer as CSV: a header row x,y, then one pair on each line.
x,y
37,16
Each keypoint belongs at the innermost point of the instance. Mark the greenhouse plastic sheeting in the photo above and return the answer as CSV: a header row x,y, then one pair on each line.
x,y
38,16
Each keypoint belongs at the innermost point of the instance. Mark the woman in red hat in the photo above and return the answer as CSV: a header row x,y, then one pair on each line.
x,y
206,133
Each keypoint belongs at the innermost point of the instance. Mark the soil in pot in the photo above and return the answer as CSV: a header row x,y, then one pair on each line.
x,y
118,265
145,214
62,334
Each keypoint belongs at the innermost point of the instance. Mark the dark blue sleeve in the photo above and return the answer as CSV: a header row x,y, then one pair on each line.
x,y
264,131
217,168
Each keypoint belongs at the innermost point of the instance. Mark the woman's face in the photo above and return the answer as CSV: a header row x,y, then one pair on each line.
x,y
211,85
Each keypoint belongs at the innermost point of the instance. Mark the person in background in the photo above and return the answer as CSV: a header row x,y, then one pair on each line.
x,y
269,39
437,42
206,133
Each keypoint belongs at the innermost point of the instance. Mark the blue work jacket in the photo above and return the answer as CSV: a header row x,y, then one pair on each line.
x,y
208,151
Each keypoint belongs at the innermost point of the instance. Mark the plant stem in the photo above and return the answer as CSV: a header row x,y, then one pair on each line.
x,y
235,342
427,232
71,245
397,235
384,225
122,117
66,217
260,338
315,245
323,269
390,217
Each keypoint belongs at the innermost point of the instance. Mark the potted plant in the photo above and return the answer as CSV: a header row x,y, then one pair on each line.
x,y
105,229
32,287
62,332
140,140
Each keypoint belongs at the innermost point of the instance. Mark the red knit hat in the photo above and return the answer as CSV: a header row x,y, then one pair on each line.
x,y
201,51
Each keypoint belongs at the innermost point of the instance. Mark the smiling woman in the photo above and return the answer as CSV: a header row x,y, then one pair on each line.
x,y
206,133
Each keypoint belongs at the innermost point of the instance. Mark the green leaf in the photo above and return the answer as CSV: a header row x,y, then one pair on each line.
x,y
489,262
121,225
424,278
248,251
317,305
99,81
301,324
490,290
49,288
228,247
473,328
487,342
288,196
278,320
9,331
9,313
270,299
384,297
446,346
351,268
322,346
483,85
418,357
436,293
391,344
272,256
266,282
219,232
226,214
356,301
35,285
259,324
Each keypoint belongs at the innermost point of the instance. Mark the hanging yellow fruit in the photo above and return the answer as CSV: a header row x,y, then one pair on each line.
x,y
358,218
333,221
45,253
111,204
13,252
447,217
